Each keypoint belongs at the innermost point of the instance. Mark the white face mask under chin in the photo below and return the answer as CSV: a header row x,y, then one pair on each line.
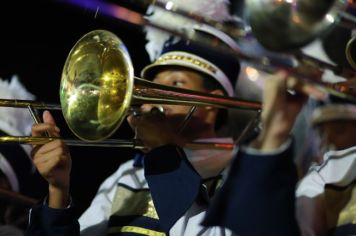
x,y
324,146
208,162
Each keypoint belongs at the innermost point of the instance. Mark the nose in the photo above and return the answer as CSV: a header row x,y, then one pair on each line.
x,y
147,107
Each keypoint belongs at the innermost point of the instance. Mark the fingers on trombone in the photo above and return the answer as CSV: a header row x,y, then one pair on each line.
x,y
302,89
56,145
48,126
48,118
295,87
46,162
276,82
40,129
51,149
348,87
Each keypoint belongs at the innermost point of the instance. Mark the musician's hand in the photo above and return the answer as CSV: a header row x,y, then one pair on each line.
x,y
280,109
53,162
348,87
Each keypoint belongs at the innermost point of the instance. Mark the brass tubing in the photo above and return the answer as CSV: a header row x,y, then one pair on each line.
x,y
25,103
149,92
106,143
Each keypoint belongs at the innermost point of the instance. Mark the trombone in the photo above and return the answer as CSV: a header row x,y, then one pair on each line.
x,y
108,143
98,90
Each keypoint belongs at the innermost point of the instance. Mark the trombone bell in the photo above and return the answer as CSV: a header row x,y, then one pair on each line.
x,y
96,85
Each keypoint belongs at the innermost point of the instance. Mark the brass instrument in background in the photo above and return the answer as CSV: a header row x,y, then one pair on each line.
x,y
350,52
286,25
98,89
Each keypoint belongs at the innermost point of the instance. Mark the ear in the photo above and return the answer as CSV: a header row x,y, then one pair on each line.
x,y
215,92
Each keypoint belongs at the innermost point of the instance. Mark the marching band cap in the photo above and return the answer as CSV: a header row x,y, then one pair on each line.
x,y
335,109
217,65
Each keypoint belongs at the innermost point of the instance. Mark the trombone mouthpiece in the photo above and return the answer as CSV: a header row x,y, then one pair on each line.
x,y
157,108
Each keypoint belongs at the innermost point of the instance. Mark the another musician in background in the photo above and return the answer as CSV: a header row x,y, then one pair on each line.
x,y
16,168
326,196
166,190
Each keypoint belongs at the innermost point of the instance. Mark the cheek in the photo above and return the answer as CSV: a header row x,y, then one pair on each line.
x,y
191,86
176,109
183,109
336,138
146,107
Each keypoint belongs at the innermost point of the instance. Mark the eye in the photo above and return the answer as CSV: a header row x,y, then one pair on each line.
x,y
178,83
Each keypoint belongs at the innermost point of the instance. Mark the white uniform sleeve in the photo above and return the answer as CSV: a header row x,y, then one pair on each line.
x,y
95,219
311,185
337,169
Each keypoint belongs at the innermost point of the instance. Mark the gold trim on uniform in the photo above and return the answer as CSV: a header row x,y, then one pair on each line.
x,y
135,229
348,213
128,202
340,206
189,59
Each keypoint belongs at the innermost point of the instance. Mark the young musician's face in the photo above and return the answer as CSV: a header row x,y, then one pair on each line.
x,y
179,78
337,135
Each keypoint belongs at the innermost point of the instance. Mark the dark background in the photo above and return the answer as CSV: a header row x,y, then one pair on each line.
x,y
36,37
